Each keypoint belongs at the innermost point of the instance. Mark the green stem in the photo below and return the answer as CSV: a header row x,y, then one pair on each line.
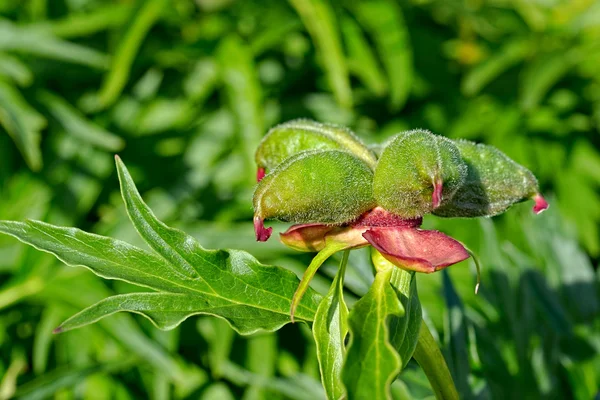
x,y
430,358
329,249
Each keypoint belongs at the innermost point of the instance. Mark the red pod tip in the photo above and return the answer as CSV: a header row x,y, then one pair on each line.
x,y
262,234
540,204
260,173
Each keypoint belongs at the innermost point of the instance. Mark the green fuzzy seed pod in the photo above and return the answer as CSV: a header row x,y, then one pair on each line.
x,y
417,172
326,186
293,137
494,182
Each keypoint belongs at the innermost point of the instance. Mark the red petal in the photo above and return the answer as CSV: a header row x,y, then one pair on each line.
x,y
540,204
416,249
262,234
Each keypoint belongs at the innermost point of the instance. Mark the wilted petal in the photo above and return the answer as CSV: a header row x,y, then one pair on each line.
x,y
314,237
306,237
415,249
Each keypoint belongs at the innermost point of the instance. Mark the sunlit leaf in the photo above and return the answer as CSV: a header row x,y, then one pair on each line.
x,y
227,283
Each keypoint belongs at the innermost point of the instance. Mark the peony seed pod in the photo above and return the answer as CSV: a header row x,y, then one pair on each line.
x,y
416,173
299,135
494,182
325,186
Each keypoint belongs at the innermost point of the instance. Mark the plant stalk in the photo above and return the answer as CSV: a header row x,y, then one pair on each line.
x,y
430,358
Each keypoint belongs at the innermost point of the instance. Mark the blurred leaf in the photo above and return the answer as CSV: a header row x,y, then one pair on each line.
x,y
482,74
299,388
43,44
13,68
77,125
143,17
21,122
330,328
261,358
243,91
457,339
383,19
362,62
8,383
219,336
85,24
540,75
50,383
319,19
372,363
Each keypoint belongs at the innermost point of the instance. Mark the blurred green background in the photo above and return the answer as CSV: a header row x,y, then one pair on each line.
x,y
184,90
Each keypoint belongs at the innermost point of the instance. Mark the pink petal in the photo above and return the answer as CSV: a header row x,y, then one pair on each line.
x,y
415,249
260,173
262,234
540,204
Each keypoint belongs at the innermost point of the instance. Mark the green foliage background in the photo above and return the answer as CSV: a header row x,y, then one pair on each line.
x,y
184,90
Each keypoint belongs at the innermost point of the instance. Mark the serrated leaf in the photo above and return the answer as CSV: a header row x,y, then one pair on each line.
x,y
165,310
319,19
22,123
190,280
384,20
372,363
330,328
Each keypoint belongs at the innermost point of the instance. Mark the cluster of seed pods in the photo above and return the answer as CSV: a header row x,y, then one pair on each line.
x,y
310,172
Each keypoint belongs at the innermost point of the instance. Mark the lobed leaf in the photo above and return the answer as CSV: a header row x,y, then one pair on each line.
x,y
188,279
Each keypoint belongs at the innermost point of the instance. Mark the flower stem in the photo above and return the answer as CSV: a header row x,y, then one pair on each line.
x,y
330,249
430,358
